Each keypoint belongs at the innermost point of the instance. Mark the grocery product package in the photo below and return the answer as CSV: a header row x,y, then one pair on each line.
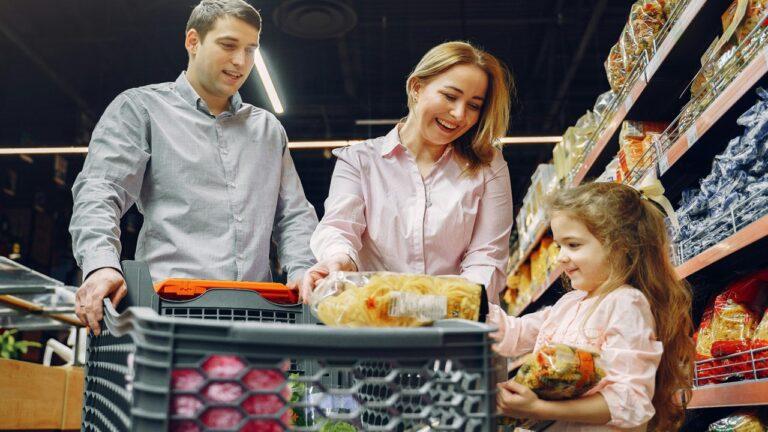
x,y
558,371
746,14
738,422
737,312
382,299
635,139
646,19
760,347
602,103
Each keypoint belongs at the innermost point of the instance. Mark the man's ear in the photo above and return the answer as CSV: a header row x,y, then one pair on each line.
x,y
192,42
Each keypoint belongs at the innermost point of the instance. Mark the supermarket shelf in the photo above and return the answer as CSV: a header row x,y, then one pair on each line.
x,y
683,37
741,239
538,292
745,393
637,88
540,231
743,82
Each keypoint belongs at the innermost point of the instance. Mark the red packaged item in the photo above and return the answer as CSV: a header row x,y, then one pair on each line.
x,y
737,313
760,347
706,367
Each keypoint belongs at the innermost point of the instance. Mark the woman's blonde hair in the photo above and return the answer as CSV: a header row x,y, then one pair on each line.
x,y
476,145
634,235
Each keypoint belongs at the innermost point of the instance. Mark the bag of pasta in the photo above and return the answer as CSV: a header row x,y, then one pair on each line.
x,y
738,422
380,299
760,347
559,371
737,312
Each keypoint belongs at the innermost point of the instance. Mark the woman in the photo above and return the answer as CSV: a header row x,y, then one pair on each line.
x,y
433,196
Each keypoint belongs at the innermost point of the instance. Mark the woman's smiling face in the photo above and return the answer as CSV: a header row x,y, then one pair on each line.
x,y
448,105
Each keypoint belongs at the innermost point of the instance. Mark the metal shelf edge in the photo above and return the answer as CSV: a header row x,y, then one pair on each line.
x,y
744,237
743,393
724,101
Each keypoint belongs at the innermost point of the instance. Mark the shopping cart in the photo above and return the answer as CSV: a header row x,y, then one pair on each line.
x,y
197,375
109,363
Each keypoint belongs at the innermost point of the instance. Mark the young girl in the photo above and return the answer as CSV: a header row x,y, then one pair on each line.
x,y
433,196
628,305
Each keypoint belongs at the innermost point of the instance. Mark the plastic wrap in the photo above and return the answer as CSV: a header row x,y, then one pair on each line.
x,y
602,103
646,18
371,299
737,312
614,68
635,139
760,346
560,371
739,422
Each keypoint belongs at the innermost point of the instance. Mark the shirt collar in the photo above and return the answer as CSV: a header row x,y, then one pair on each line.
x,y
392,142
188,93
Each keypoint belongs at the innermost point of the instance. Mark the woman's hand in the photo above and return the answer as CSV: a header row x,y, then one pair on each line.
x,y
497,317
319,271
517,400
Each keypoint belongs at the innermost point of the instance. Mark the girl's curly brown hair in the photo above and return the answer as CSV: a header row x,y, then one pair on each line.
x,y
633,231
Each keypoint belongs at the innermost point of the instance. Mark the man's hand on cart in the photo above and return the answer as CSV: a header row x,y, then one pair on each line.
x,y
104,282
318,272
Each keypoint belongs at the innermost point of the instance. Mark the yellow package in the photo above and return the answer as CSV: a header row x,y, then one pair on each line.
x,y
371,299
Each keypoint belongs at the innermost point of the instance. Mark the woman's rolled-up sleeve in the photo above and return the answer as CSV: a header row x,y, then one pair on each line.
x,y
342,226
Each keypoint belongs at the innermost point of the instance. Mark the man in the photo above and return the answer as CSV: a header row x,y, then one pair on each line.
x,y
211,174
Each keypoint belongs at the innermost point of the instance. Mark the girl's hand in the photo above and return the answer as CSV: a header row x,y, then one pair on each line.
x,y
517,400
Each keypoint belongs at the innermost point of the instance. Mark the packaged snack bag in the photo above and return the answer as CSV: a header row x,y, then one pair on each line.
x,y
739,422
559,371
760,347
737,312
380,299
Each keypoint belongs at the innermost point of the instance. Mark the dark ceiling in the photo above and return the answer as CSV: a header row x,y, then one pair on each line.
x,y
64,61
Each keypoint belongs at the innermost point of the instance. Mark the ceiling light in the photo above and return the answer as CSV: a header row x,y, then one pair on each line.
x,y
376,122
292,145
269,87
42,150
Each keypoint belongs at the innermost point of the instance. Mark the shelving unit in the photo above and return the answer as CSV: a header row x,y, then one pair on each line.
x,y
649,82
745,393
682,154
750,234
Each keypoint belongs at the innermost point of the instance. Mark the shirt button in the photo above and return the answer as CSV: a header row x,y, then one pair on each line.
x,y
239,218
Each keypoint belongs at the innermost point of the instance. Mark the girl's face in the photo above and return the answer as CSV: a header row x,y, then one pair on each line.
x,y
448,105
582,256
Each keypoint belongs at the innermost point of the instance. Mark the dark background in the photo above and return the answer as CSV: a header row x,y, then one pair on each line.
x,y
62,62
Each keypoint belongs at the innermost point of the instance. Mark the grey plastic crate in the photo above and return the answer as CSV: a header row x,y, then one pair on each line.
x,y
452,360
108,391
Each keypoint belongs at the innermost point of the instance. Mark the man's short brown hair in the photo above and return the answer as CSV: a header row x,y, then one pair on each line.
x,y
205,14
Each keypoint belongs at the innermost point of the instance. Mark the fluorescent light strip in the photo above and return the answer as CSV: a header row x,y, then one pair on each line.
x,y
376,122
299,145
42,150
261,68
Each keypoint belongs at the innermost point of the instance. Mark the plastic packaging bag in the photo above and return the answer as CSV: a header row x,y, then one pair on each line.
x,y
760,347
602,103
737,313
739,422
371,299
560,371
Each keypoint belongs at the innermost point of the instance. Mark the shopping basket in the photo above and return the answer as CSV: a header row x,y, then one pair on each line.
x,y
196,375
108,367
